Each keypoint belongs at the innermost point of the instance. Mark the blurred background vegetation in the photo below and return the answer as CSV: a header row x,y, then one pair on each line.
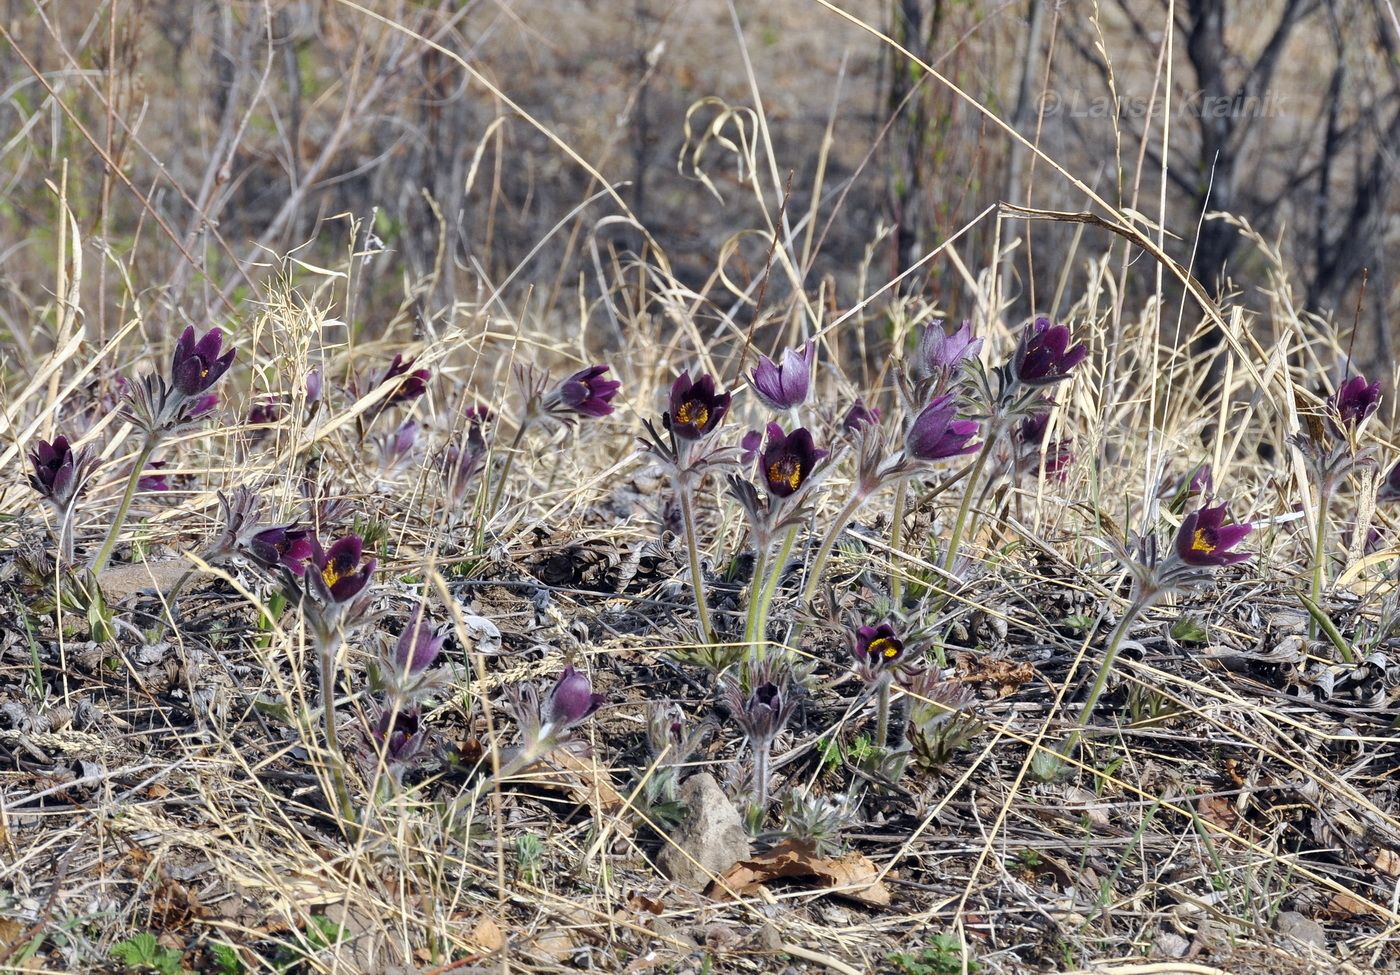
x,y
530,151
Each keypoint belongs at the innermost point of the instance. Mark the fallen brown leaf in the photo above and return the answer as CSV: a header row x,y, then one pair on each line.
x,y
1344,905
587,783
487,934
852,875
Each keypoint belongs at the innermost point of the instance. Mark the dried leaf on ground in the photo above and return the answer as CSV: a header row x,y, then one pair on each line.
x,y
852,875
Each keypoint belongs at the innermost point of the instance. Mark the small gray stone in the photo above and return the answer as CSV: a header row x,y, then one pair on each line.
x,y
1302,928
710,839
1169,944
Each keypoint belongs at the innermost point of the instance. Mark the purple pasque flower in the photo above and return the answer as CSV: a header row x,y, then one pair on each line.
x,y
462,463
154,478
878,646
1032,436
58,470
859,415
315,385
942,352
937,434
572,699
412,383
1205,541
397,446
418,646
400,732
284,545
197,365
763,712
788,460
1044,356
1390,487
265,412
697,407
585,393
342,571
788,385
1202,481
749,446
1352,403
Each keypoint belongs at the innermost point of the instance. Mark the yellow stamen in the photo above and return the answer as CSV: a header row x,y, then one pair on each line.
x,y
1199,542
885,647
692,413
330,575
785,471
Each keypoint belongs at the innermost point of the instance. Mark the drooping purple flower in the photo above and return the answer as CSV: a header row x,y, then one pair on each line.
x,y
878,646
400,733
343,570
58,470
205,404
1354,402
788,460
586,393
1204,540
197,365
936,433
314,385
572,699
1390,487
268,411
418,646
940,351
285,545
461,464
153,478
398,445
859,415
696,406
1202,481
1056,455
749,446
412,383
786,386
1044,356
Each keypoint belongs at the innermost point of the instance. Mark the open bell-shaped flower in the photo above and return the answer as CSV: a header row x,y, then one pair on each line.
x,y
697,407
787,385
197,364
1205,541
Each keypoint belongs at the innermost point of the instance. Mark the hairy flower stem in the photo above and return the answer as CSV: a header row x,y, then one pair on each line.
x,y
970,489
761,754
896,538
104,554
504,475
1115,641
882,710
1319,552
327,646
684,496
65,534
757,632
757,578
838,524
